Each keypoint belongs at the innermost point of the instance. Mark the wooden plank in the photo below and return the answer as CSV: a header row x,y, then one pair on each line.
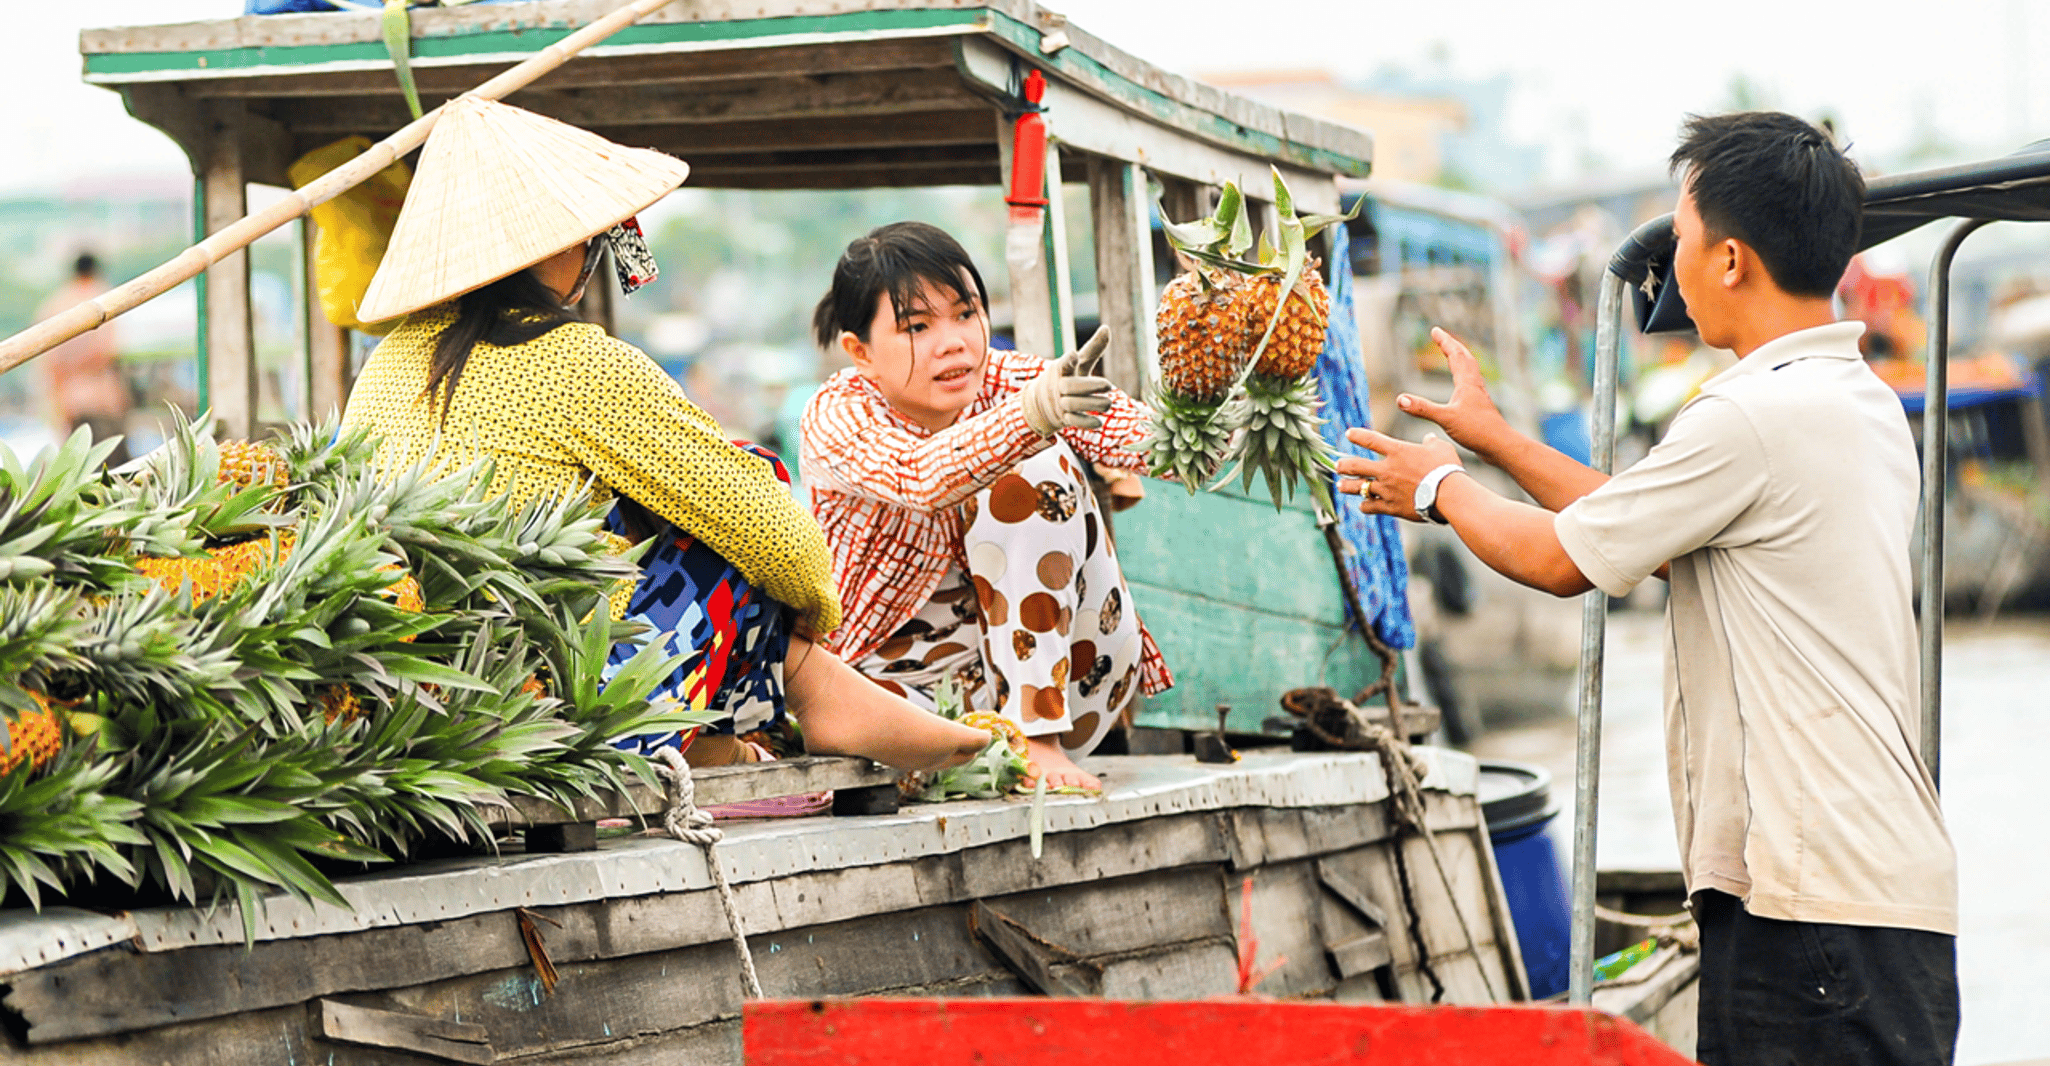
x,y
1200,970
901,176
894,92
1352,895
451,1041
1358,955
255,1038
1129,913
1060,271
715,786
604,71
631,997
1031,960
353,27
699,141
1125,294
327,345
230,335
1288,924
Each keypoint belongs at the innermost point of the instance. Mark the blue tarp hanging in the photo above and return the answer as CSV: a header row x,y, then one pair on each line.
x,y
1374,556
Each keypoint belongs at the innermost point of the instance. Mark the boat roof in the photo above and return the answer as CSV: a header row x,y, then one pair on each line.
x,y
2014,188
770,94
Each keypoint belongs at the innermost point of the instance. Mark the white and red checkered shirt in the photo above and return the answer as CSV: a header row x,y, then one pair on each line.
x,y
887,491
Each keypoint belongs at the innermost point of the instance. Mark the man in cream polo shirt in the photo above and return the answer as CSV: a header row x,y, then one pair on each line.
x,y
1779,506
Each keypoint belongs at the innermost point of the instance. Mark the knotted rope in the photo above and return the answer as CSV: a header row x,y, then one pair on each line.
x,y
1404,774
683,820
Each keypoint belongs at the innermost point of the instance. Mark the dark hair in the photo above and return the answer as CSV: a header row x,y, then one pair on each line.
x,y
86,265
893,261
1780,185
512,310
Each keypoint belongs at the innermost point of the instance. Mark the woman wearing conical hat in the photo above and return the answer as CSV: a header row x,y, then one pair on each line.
x,y
505,223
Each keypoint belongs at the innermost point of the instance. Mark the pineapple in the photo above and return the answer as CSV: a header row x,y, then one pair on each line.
x,y
1278,433
219,569
33,737
340,704
1201,325
249,464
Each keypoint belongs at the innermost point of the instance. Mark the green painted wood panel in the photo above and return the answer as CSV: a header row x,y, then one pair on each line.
x,y
1245,604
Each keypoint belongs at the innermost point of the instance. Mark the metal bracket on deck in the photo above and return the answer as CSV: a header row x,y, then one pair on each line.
x,y
450,1041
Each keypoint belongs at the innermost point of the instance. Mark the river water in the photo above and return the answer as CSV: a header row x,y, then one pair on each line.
x,y
1996,799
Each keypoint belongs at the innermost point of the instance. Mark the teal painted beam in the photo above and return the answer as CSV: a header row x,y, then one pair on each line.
x,y
482,43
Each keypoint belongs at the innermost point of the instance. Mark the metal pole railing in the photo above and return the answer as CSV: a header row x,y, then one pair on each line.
x,y
1935,478
1594,617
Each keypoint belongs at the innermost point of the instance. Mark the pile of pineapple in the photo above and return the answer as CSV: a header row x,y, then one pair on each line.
x,y
234,669
1239,342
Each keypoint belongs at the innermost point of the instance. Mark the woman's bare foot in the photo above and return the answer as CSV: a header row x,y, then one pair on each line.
x,y
1060,771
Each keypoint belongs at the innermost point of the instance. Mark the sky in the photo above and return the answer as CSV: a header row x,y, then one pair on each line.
x,y
1601,81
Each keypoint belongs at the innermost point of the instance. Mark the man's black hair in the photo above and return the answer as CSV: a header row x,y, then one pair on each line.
x,y
1779,184
87,265
894,261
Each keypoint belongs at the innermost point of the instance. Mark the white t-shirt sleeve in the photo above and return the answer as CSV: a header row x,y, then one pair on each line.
x,y
1684,495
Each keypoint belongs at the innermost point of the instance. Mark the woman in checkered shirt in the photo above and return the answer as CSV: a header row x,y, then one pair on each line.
x,y
952,480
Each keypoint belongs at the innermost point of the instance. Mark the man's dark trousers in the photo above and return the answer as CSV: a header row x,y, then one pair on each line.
x,y
1778,993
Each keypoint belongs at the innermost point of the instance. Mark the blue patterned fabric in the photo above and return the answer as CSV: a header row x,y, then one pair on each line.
x,y
1374,546
736,637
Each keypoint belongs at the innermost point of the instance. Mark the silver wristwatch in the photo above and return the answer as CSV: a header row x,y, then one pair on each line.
x,y
1427,493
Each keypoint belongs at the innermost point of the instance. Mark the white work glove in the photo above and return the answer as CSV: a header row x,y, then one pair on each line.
x,y
1068,394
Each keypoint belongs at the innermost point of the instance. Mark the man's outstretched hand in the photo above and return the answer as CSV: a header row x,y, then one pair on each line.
x,y
1388,485
1469,417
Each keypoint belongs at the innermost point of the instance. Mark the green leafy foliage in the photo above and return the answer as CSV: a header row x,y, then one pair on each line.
x,y
296,722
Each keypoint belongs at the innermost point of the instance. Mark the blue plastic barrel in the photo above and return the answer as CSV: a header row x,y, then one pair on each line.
x,y
1516,799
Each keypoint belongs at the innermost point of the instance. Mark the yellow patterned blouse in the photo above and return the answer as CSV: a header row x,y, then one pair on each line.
x,y
578,406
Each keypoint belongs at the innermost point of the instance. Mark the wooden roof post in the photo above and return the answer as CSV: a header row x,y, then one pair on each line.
x,y
1126,299
1060,276
230,335
327,345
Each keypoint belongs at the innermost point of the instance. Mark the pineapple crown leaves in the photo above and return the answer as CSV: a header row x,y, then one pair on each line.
x,y
1228,232
1293,255
65,825
54,521
149,647
42,628
181,481
1279,439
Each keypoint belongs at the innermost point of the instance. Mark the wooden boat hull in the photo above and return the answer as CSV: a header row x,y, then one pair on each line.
x,y
1136,895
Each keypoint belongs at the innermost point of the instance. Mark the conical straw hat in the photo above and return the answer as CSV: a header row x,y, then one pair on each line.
x,y
499,189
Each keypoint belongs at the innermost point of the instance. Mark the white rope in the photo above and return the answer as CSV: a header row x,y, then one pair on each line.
x,y
683,820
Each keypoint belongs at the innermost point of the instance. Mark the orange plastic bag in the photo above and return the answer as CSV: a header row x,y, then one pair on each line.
x,y
354,229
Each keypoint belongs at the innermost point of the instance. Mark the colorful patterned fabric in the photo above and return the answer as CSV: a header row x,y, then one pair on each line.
x,y
1039,628
697,604
1374,556
577,408
632,259
888,490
